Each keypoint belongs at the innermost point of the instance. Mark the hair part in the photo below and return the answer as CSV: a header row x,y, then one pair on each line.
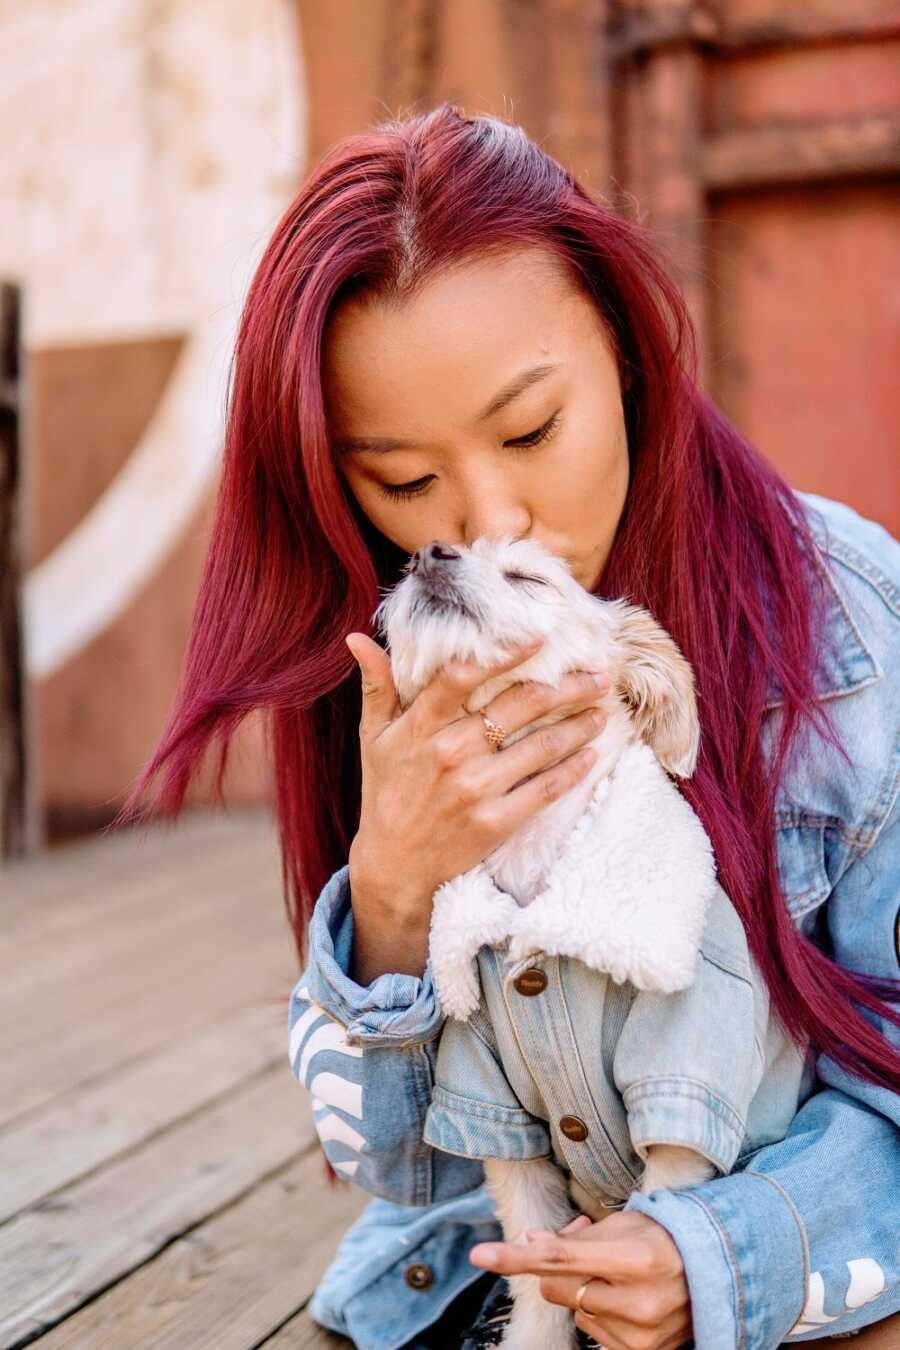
x,y
293,564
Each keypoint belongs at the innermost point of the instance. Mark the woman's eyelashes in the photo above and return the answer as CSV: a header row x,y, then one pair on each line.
x,y
529,442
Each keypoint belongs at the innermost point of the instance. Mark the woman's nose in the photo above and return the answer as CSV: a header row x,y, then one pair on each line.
x,y
492,516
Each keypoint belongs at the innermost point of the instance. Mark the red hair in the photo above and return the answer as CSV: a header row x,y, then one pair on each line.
x,y
711,540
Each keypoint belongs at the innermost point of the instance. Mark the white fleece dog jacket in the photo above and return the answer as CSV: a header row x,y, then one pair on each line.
x,y
652,1022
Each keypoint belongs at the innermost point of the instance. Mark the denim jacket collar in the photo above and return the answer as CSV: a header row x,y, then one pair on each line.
x,y
845,662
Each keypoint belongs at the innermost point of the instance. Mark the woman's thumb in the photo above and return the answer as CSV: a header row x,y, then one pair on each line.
x,y
379,697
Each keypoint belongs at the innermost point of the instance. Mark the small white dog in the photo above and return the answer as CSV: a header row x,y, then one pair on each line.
x,y
474,603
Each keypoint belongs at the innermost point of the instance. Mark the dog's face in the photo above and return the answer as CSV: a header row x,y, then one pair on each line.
x,y
476,602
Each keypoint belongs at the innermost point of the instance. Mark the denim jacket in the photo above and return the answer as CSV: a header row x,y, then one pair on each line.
x,y
800,1239
561,1059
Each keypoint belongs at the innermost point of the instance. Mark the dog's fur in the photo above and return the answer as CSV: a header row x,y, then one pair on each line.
x,y
475,603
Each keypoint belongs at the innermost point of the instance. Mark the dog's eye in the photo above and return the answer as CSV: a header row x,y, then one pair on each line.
x,y
524,576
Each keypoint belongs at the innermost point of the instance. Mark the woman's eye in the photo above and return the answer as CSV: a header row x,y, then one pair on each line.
x,y
404,489
419,485
535,437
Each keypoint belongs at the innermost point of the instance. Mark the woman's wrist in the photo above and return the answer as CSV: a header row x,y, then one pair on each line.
x,y
390,928
389,1007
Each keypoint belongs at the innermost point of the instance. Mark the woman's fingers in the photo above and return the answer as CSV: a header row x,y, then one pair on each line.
x,y
529,700
442,699
635,1295
579,1222
548,744
380,704
624,1333
616,1259
644,1305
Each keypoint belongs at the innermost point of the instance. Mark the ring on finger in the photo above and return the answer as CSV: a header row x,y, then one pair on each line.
x,y
494,734
579,1296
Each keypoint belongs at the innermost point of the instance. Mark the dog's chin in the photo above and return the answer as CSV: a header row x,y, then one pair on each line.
x,y
436,605
437,630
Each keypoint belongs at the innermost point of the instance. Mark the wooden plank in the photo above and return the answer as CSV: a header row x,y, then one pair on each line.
x,y
226,950
843,147
638,28
138,1017
302,1333
63,1251
231,1281
801,86
91,870
86,1128
151,912
764,23
641,27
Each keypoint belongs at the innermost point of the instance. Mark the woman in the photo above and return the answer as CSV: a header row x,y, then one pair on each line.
x,y
446,337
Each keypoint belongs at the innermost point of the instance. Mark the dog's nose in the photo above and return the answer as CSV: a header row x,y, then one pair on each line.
x,y
442,552
433,557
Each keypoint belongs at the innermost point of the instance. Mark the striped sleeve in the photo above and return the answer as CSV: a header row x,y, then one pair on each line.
x,y
324,1062
366,1054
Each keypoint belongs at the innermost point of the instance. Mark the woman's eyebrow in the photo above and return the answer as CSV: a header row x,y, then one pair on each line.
x,y
382,445
524,380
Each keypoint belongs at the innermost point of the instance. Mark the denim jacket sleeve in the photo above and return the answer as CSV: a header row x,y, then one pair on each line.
x,y
367,1056
777,1251
801,1243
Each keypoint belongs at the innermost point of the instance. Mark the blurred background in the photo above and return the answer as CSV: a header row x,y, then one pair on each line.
x,y
150,147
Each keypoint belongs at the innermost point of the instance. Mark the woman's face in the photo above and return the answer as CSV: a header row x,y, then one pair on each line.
x,y
488,403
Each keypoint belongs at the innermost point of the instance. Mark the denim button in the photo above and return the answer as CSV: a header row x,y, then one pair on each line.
x,y
573,1127
530,981
418,1275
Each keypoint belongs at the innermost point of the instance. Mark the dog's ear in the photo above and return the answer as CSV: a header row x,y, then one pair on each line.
x,y
658,684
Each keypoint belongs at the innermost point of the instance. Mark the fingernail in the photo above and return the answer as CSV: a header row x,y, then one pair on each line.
x,y
351,651
601,681
484,1254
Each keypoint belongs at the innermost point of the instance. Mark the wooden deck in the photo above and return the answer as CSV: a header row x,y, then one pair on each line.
x,y
159,1181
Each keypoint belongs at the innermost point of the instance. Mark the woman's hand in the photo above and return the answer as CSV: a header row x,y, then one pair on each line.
x,y
437,799
638,1296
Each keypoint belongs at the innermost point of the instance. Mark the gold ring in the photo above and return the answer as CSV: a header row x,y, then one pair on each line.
x,y
579,1307
493,732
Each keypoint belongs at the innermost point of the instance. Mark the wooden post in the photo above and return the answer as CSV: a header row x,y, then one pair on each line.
x,y
661,64
409,55
13,834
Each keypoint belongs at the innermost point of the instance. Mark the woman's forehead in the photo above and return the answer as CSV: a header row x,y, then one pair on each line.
x,y
453,344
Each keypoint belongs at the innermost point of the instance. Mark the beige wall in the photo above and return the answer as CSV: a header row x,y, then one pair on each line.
x,y
149,149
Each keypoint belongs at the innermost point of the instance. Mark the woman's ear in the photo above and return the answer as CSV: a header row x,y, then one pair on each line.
x,y
658,684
